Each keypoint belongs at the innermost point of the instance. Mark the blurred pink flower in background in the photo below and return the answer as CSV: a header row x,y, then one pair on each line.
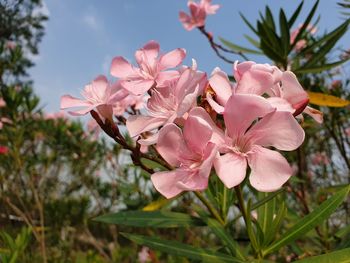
x,y
56,115
320,158
143,255
11,45
2,103
302,42
198,14
3,149
152,70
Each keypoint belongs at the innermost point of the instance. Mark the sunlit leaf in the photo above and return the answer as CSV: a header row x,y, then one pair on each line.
x,y
238,48
322,99
338,256
156,205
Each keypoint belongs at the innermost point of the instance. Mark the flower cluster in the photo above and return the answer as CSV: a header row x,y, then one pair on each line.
x,y
199,125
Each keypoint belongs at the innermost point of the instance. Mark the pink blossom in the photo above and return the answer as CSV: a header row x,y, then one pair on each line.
x,y
99,94
199,12
151,71
3,149
320,158
11,45
167,104
246,143
136,101
302,42
143,255
192,155
56,115
2,103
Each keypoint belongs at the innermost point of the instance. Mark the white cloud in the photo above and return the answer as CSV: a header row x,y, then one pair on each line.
x,y
91,21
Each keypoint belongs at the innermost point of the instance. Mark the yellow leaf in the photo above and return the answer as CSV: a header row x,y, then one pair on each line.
x,y
321,99
156,205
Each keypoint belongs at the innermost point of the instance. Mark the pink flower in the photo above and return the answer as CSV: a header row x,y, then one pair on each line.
x,y
246,142
99,94
151,71
2,103
143,255
199,12
3,150
192,155
320,158
56,115
167,104
302,42
11,45
136,101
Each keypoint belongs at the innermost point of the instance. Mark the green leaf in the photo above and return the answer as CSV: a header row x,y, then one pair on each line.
x,y
265,213
317,69
270,52
159,219
340,30
221,233
262,201
269,18
238,48
180,249
310,221
295,15
248,24
266,33
305,24
250,230
252,41
285,37
275,225
339,256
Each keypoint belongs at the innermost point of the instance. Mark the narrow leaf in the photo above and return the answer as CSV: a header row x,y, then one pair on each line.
x,y
285,37
248,24
322,99
156,205
221,233
238,48
310,221
159,219
269,18
252,41
180,249
305,24
317,69
339,256
295,15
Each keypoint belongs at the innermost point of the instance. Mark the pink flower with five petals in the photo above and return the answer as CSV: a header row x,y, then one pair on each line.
x,y
152,68
199,12
252,124
192,155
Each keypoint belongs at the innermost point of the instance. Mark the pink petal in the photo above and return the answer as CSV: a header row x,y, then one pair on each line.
x,y
186,21
172,59
269,169
67,101
216,107
137,86
165,77
231,169
209,155
240,68
121,68
139,124
193,125
148,54
187,103
255,81
278,129
220,83
241,110
281,104
171,143
315,114
170,184
293,92
218,136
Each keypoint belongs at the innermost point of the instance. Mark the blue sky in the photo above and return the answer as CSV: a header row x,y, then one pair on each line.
x,y
83,36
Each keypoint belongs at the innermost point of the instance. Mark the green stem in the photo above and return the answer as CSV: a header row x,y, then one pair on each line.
x,y
224,204
241,204
211,209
